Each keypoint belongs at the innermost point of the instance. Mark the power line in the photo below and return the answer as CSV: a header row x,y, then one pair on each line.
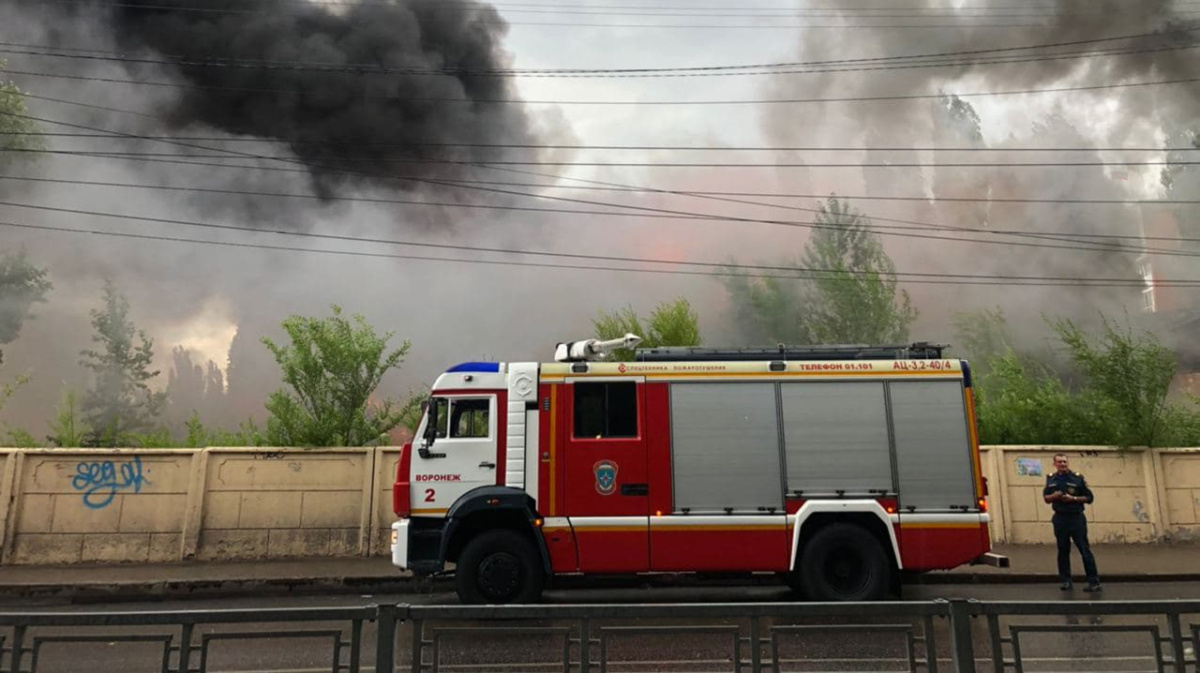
x,y
779,13
522,251
726,199
372,68
648,190
680,272
634,210
575,24
718,267
987,6
958,25
479,3
769,26
680,193
661,213
552,146
903,65
519,101
676,11
242,192
632,164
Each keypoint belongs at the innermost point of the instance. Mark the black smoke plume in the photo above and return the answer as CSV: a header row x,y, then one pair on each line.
x,y
345,121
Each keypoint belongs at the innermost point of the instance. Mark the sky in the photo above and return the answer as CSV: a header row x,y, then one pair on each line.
x,y
199,296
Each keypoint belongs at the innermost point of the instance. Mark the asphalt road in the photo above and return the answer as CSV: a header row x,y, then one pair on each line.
x,y
701,652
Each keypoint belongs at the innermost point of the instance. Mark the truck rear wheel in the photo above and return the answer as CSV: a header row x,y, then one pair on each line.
x,y
499,567
844,562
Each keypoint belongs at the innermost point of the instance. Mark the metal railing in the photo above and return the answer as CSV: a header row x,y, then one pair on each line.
x,y
958,635
186,637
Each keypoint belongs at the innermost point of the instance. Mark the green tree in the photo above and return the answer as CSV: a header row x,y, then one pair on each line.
x,y
981,336
854,297
7,390
333,366
1176,168
413,410
13,124
67,428
961,117
120,400
768,309
1133,374
22,285
845,289
672,323
1181,181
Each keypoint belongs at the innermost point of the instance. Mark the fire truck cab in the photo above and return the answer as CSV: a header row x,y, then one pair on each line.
x,y
841,468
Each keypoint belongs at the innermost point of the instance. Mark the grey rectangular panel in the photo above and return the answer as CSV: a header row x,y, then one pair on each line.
x,y
725,445
933,451
836,437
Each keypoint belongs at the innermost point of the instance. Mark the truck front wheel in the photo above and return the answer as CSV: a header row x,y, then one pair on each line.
x,y
844,562
499,567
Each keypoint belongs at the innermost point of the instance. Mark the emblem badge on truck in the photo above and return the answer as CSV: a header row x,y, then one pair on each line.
x,y
606,477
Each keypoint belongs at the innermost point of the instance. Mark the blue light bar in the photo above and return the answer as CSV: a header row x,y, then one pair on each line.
x,y
492,367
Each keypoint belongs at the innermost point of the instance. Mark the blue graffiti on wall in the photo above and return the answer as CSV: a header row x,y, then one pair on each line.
x,y
101,481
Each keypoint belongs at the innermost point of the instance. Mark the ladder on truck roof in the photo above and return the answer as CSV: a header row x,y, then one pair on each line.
x,y
916,351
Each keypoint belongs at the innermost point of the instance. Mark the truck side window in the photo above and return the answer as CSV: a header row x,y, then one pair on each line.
x,y
469,418
606,410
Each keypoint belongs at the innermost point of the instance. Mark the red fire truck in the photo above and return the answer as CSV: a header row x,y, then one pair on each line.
x,y
840,468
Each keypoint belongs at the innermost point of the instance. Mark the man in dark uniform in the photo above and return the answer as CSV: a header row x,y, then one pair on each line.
x,y
1067,492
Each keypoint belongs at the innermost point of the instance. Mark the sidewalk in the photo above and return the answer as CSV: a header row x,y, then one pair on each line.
x,y
1030,563
1116,562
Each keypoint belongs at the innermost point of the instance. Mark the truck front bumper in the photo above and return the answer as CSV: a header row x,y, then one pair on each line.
x,y
417,545
400,544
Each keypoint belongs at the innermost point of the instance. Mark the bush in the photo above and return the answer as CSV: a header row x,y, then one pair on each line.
x,y
1121,397
198,436
1021,402
1132,375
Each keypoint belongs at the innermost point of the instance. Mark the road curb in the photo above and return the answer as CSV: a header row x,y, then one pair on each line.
x,y
226,588
1043,578
177,589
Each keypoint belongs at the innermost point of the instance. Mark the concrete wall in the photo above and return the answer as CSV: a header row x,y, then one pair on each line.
x,y
153,505
284,504
127,505
1141,495
95,506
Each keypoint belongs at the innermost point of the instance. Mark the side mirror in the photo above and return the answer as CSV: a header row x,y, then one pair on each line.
x,y
431,425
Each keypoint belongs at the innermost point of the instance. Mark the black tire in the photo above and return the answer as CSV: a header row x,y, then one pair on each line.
x,y
792,581
844,562
499,567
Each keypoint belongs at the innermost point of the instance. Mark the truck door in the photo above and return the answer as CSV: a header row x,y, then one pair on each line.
x,y
941,520
459,451
607,485
728,508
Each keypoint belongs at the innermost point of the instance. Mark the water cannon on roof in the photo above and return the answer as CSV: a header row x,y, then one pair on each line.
x,y
593,349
